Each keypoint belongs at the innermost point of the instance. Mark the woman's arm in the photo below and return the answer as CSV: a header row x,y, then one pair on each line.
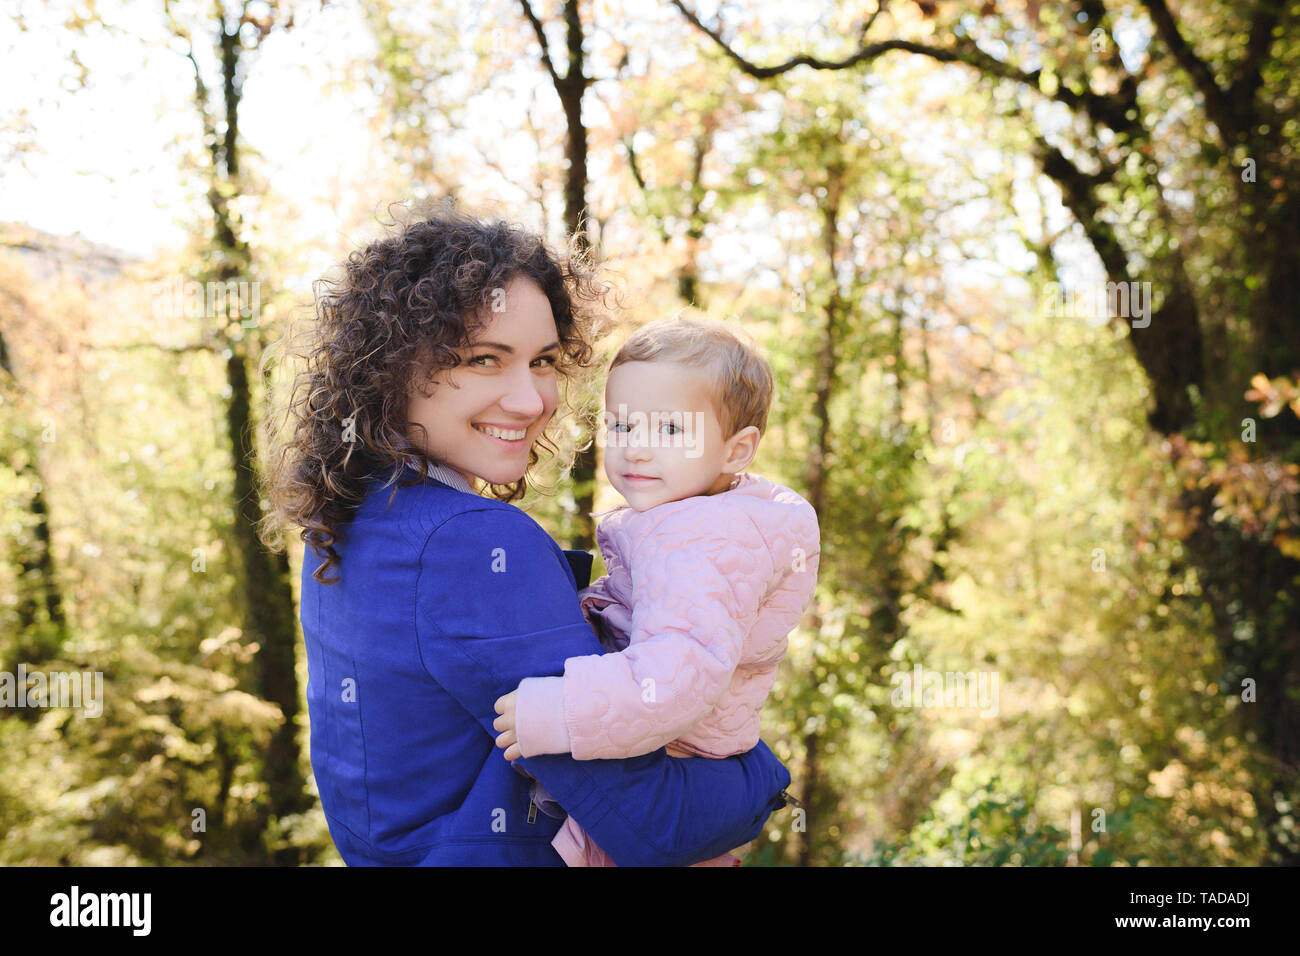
x,y
496,603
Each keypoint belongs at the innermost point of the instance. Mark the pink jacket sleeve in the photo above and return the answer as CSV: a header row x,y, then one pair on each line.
x,y
595,595
699,581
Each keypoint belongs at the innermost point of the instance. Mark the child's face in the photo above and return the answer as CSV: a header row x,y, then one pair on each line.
x,y
660,424
517,392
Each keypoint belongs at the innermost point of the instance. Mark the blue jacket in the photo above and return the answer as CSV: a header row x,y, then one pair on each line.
x,y
448,600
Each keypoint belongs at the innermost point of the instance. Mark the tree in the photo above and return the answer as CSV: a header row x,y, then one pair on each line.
x,y
571,88
269,613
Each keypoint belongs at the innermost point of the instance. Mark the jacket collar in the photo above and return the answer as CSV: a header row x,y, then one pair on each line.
x,y
444,474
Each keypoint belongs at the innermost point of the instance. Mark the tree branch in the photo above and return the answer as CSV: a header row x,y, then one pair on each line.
x,y
200,88
1250,73
1077,191
1107,110
863,54
634,166
541,38
1217,104
573,36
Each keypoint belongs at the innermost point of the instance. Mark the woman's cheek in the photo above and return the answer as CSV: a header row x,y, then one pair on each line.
x,y
551,398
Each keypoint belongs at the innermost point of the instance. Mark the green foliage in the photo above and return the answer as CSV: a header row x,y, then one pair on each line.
x,y
989,827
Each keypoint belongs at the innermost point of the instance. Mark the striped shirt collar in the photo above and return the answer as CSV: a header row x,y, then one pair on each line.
x,y
444,474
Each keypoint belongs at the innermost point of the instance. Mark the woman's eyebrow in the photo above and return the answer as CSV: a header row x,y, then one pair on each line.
x,y
510,351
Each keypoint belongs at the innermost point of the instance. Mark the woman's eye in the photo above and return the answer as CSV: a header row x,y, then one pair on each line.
x,y
673,426
545,358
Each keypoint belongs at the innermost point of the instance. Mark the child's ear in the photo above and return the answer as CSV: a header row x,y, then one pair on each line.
x,y
744,446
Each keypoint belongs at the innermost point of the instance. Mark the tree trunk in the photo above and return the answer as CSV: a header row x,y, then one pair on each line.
x,y
570,89
269,615
815,482
268,610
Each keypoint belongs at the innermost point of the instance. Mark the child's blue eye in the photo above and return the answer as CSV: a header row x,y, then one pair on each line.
x,y
674,426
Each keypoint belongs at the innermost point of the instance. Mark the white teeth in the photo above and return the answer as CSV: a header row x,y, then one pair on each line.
x,y
498,433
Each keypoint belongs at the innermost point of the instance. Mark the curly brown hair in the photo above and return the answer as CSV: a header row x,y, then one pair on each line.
x,y
395,317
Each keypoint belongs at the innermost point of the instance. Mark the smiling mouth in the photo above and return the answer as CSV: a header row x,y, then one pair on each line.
x,y
507,442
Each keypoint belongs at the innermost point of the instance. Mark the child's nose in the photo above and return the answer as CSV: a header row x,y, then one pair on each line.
x,y
638,450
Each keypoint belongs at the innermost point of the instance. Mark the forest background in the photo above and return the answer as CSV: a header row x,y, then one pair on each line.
x,y
1027,276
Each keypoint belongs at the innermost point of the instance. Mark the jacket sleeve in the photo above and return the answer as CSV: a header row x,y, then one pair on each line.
x,y
698,587
595,597
597,594
497,602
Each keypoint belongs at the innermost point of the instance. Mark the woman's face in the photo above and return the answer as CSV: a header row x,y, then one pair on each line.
x,y
508,383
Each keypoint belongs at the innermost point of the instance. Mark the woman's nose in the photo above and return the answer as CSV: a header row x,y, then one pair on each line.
x,y
525,398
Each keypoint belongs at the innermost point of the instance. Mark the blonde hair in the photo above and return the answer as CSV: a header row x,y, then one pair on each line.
x,y
737,375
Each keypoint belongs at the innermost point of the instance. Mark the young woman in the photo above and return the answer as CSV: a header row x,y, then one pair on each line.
x,y
434,364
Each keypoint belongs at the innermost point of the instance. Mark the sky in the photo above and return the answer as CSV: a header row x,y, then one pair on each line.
x,y
107,156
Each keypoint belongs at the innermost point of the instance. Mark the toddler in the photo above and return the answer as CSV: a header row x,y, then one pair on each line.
x,y
709,569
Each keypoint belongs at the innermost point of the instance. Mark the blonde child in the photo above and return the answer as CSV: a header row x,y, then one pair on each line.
x,y
709,568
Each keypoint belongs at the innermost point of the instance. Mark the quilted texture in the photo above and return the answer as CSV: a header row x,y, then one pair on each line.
x,y
701,594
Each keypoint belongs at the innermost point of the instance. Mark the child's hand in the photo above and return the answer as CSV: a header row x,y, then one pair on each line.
x,y
505,706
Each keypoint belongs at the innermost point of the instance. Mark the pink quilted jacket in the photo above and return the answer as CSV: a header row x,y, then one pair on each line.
x,y
701,594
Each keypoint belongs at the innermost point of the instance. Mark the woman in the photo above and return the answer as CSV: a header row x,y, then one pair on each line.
x,y
435,363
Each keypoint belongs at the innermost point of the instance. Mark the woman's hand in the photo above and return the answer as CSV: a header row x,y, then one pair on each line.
x,y
505,706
